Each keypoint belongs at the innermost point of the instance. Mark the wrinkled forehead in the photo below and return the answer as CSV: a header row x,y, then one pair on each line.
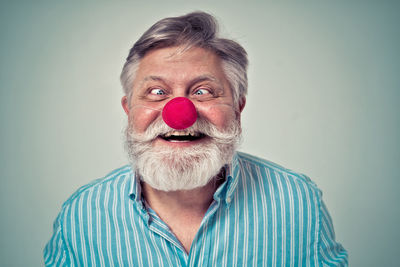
x,y
175,64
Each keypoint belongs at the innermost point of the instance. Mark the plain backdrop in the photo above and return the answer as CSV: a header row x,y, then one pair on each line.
x,y
323,99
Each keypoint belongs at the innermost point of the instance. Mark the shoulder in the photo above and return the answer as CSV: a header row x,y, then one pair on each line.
x,y
85,213
277,179
98,198
113,181
251,163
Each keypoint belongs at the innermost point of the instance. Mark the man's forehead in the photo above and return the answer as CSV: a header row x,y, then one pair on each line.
x,y
193,65
200,78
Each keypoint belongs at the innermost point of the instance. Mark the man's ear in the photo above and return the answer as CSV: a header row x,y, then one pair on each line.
x,y
125,104
242,103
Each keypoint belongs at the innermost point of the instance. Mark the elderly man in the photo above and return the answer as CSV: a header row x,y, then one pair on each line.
x,y
188,198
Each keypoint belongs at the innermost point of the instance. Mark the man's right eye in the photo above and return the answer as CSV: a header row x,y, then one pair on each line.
x,y
157,91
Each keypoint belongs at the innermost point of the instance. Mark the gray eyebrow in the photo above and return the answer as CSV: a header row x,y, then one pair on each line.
x,y
198,79
203,78
151,78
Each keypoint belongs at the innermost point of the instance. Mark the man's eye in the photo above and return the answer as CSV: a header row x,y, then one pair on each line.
x,y
201,91
157,91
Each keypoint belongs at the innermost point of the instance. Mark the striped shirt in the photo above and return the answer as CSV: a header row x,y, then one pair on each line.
x,y
262,215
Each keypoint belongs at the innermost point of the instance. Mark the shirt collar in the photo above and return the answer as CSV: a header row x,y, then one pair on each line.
x,y
227,189
135,191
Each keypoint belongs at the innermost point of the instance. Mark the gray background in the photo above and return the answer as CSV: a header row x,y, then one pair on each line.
x,y
323,93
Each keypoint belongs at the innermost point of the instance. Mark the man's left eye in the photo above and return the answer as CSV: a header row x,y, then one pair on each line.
x,y
157,91
201,91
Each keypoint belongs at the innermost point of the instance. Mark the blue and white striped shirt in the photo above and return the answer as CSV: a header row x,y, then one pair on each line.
x,y
262,215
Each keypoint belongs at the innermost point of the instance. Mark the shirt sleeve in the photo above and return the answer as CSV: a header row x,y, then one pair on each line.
x,y
331,253
55,252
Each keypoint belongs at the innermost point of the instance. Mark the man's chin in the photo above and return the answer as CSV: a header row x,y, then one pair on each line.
x,y
169,167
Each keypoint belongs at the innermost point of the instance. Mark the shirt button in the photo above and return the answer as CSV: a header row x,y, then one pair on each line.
x,y
228,200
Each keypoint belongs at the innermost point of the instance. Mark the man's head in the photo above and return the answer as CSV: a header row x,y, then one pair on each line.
x,y
197,29
183,57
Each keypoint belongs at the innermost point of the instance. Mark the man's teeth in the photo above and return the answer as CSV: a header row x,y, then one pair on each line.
x,y
181,133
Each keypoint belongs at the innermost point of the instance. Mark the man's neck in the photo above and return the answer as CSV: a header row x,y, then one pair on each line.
x,y
183,210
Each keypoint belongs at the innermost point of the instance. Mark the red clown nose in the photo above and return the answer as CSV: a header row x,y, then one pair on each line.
x,y
179,113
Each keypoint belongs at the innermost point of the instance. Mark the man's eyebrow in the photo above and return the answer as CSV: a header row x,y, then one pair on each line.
x,y
203,78
151,78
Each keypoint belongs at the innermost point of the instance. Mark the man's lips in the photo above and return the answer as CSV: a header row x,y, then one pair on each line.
x,y
182,136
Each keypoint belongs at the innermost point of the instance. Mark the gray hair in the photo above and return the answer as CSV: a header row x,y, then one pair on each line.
x,y
197,29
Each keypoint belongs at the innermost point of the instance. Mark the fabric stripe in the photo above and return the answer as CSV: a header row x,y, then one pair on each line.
x,y
99,227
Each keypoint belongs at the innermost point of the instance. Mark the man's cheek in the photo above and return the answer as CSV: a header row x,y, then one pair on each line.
x,y
223,121
141,118
220,115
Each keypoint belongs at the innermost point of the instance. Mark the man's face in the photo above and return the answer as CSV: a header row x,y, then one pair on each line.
x,y
196,74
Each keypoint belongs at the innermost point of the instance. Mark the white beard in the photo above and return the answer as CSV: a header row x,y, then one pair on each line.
x,y
171,169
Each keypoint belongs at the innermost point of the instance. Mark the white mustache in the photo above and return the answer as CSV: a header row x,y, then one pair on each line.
x,y
201,126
